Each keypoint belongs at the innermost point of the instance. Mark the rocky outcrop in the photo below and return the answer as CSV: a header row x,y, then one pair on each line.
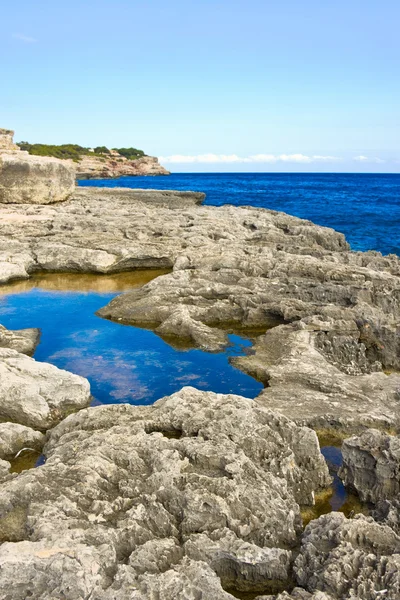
x,y
306,368
371,466
35,394
173,497
349,559
26,179
21,340
6,141
116,165
198,495
337,311
15,437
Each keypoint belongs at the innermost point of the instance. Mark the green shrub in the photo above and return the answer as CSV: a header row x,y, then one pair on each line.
x,y
130,153
75,151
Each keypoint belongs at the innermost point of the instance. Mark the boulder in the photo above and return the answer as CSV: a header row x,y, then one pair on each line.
x,y
26,179
371,466
22,340
38,395
15,437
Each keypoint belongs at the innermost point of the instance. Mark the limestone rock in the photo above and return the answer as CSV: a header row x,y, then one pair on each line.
x,y
388,513
5,466
6,141
22,340
116,165
26,179
371,466
350,559
235,268
312,385
36,394
15,437
169,499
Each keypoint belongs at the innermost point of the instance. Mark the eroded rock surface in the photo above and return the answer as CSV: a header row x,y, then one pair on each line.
x,y
349,558
26,179
14,437
306,367
116,165
22,340
371,465
36,394
196,490
235,267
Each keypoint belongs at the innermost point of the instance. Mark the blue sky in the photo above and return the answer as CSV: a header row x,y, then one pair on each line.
x,y
221,85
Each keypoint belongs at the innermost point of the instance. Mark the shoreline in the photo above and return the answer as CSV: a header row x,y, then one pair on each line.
x,y
225,500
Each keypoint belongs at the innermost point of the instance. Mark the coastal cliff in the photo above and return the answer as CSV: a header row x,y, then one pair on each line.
x,y
116,165
95,163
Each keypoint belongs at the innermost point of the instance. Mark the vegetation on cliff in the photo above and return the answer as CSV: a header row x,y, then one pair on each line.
x,y
76,152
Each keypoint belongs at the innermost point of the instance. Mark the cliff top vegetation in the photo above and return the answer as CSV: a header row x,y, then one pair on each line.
x,y
76,152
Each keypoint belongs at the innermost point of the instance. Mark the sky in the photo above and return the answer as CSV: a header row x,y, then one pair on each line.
x,y
209,85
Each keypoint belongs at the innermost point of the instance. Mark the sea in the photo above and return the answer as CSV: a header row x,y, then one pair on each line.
x,y
134,365
365,207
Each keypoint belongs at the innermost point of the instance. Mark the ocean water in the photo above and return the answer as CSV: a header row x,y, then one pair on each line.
x,y
122,363
365,207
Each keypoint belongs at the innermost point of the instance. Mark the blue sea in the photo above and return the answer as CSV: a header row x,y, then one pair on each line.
x,y
365,207
128,364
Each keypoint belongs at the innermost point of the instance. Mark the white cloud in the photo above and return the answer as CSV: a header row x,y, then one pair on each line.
x,y
256,158
367,159
24,38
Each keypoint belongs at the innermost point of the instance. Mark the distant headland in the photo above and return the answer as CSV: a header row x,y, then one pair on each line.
x,y
94,163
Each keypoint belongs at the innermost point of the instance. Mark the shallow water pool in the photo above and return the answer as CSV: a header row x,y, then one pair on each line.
x,y
122,363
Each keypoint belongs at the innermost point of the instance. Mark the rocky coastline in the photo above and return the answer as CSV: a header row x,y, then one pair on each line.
x,y
115,165
201,494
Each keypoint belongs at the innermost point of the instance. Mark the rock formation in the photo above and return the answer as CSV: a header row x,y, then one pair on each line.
x,y
371,465
115,165
26,179
338,311
7,141
349,558
34,396
198,496
22,340
173,497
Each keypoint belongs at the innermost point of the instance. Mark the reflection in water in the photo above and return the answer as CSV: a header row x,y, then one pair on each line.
x,y
123,363
76,282
335,497
26,459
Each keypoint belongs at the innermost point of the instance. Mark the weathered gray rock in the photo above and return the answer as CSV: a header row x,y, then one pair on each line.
x,y
36,394
235,268
371,466
15,437
388,513
26,179
297,594
197,489
355,559
312,385
5,467
6,141
21,340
